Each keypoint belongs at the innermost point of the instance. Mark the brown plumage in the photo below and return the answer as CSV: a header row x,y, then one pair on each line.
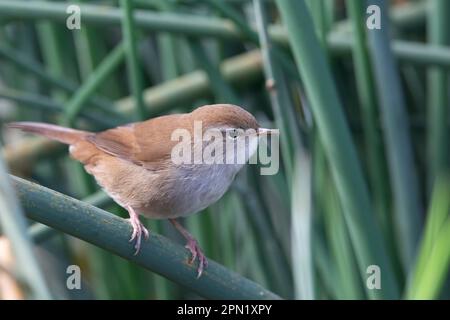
x,y
132,164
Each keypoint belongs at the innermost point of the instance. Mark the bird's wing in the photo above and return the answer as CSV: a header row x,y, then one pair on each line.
x,y
144,143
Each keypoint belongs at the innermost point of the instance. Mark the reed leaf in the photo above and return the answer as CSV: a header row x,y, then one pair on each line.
x,y
397,138
438,100
433,260
337,142
13,225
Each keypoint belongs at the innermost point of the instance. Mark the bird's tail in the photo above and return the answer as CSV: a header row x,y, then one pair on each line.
x,y
62,134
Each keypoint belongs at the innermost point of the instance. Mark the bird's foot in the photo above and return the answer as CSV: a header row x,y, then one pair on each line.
x,y
193,247
196,252
138,230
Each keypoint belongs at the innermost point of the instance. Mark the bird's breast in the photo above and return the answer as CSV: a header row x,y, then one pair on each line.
x,y
198,186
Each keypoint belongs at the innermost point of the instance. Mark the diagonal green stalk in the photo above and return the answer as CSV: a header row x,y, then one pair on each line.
x,y
231,13
316,8
433,261
108,65
35,68
112,233
40,232
399,152
438,264
335,135
223,92
129,31
339,241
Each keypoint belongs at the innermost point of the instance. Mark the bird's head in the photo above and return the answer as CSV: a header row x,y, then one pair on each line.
x,y
230,129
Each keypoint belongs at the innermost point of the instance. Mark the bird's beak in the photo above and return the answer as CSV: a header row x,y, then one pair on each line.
x,y
263,131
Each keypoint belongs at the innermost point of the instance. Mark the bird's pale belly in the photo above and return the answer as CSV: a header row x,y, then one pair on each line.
x,y
171,193
188,192
196,191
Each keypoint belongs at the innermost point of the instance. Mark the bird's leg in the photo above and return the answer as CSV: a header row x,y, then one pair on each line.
x,y
193,247
138,229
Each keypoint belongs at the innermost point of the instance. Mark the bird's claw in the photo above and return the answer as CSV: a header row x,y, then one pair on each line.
x,y
196,251
138,230
146,233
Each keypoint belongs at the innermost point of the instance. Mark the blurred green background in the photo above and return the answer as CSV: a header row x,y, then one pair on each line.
x,y
363,114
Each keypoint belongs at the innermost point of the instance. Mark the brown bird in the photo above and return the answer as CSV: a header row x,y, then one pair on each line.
x,y
137,167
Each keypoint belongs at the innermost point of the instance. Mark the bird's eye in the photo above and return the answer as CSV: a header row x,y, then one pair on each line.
x,y
233,133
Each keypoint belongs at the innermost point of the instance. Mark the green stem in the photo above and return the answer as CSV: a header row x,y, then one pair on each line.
x,y
112,233
35,68
433,259
129,32
13,224
368,103
399,150
109,64
438,102
223,92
